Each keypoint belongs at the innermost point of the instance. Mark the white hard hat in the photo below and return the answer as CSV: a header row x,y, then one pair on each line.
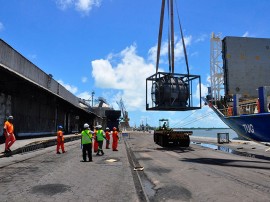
x,y
10,117
98,126
107,128
86,125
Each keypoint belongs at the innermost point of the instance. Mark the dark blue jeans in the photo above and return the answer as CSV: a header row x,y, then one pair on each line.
x,y
87,148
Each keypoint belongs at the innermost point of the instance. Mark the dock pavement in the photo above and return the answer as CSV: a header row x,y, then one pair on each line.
x,y
31,144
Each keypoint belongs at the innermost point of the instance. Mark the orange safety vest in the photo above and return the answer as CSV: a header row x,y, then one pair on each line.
x,y
258,106
107,135
60,136
115,135
230,111
9,127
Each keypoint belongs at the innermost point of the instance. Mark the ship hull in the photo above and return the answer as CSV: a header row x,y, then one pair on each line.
x,y
254,127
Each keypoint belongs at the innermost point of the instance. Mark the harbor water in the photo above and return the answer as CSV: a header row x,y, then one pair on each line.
x,y
212,132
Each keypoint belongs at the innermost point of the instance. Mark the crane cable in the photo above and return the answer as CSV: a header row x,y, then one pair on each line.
x,y
183,41
169,40
185,52
160,33
184,118
197,119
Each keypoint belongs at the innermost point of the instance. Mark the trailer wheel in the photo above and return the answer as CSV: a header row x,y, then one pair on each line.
x,y
185,142
161,141
155,138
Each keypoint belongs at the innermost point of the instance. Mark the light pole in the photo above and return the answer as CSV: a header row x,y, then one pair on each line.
x,y
93,93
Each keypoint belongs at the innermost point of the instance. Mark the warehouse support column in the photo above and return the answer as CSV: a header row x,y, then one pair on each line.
x,y
236,104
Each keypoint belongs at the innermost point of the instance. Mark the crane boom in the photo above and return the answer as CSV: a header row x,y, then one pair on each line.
x,y
125,118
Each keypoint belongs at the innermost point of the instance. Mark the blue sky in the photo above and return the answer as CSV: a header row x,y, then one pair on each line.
x,y
108,46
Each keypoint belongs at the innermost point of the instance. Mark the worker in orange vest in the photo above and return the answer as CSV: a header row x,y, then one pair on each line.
x,y
107,134
9,134
60,140
258,105
230,111
115,138
95,145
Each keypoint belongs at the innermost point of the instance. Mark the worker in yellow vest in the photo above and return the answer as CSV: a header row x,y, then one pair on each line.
x,y
86,141
100,137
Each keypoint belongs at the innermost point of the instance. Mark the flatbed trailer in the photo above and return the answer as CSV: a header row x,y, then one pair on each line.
x,y
165,137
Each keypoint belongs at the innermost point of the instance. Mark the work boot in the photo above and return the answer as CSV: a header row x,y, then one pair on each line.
x,y
58,152
102,153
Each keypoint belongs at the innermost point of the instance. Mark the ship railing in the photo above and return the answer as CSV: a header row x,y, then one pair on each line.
x,y
245,107
249,108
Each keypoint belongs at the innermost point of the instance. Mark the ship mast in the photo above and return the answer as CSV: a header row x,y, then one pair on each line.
x,y
216,70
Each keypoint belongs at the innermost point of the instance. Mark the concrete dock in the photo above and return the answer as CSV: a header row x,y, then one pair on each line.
x,y
35,171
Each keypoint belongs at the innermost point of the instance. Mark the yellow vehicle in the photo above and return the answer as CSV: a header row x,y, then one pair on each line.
x,y
166,136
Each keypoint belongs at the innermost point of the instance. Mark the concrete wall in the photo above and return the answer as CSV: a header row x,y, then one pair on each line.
x,y
5,108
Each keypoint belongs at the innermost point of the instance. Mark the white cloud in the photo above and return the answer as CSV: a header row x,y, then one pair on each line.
x,y
64,4
1,26
85,95
84,79
246,34
86,5
128,76
204,91
178,50
201,38
70,88
83,6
